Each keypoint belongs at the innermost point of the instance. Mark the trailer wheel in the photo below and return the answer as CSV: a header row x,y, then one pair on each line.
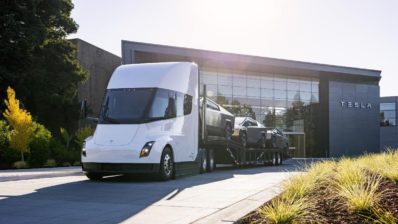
x,y
166,170
203,161
243,139
274,160
279,158
94,176
211,163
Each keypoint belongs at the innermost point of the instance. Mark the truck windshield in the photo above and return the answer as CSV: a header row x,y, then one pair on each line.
x,y
125,106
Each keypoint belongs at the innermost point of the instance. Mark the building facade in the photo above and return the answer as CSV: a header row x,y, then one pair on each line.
x,y
327,111
99,64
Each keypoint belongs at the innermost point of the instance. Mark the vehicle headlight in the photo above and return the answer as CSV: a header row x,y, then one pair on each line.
x,y
146,149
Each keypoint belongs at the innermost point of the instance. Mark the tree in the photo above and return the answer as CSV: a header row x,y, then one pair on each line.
x,y
21,122
38,61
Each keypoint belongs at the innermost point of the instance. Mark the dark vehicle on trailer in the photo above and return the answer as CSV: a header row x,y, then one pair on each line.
x,y
219,122
250,133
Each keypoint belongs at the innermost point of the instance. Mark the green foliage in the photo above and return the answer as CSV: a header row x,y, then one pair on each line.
x,y
21,165
40,145
38,61
67,138
63,155
82,134
50,163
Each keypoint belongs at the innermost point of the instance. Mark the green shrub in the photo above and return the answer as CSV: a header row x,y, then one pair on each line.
x,y
63,155
7,155
50,163
82,134
39,146
21,165
77,163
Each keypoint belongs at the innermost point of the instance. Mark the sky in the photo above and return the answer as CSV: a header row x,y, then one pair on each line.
x,y
354,33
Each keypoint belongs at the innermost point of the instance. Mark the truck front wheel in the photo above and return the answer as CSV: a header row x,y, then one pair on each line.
x,y
94,176
166,170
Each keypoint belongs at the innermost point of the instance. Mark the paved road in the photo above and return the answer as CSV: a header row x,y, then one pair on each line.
x,y
68,197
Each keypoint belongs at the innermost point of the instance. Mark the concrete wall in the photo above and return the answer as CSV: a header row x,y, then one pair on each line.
x,y
100,64
353,129
389,135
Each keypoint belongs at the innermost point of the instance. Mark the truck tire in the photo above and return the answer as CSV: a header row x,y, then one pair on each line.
x,y
166,170
274,159
211,163
203,161
279,158
94,176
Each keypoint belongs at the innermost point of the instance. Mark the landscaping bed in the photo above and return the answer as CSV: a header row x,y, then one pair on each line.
x,y
360,190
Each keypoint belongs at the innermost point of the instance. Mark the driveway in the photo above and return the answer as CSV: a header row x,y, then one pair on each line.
x,y
68,197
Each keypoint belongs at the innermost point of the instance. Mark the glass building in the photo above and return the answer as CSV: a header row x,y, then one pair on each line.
x,y
325,110
284,102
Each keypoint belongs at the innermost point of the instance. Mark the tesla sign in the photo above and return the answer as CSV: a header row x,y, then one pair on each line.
x,y
360,105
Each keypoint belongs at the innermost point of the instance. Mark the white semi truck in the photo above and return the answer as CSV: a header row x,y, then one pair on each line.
x,y
150,122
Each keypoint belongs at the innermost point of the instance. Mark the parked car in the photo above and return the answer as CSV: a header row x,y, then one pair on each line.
x,y
249,132
219,122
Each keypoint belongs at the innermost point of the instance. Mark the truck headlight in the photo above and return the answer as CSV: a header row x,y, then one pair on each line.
x,y
146,149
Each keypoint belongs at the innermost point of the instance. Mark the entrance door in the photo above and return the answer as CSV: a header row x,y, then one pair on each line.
x,y
296,144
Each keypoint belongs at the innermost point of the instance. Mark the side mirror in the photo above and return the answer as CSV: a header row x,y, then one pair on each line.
x,y
83,109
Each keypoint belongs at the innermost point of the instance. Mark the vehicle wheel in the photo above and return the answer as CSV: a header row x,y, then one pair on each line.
x,y
211,163
94,176
166,171
280,159
203,161
274,160
263,142
243,139
228,132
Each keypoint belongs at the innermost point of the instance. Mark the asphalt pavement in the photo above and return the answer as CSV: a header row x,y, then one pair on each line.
x,y
65,195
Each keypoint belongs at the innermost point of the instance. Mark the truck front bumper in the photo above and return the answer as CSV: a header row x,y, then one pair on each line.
x,y
121,168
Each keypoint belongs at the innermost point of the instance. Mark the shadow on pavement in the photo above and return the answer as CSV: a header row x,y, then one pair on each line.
x,y
111,200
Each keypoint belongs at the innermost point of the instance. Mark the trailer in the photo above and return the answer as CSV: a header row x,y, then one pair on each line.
x,y
150,121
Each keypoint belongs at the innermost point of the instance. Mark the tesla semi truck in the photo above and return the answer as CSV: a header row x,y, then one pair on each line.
x,y
150,122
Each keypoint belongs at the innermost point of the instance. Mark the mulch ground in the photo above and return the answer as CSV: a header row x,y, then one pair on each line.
x,y
333,211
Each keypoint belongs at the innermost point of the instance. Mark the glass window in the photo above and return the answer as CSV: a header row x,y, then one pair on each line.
x,y
293,95
239,80
253,92
387,114
267,82
209,77
125,105
225,79
280,94
293,86
187,104
225,90
305,86
280,85
267,93
253,82
315,86
212,105
164,105
239,91
305,96
211,90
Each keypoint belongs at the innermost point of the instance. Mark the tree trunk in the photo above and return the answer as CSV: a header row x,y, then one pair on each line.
x,y
22,158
